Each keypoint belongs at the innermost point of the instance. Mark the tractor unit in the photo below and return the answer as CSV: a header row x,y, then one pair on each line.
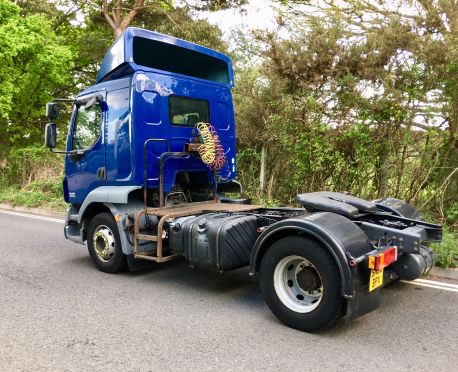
x,y
150,175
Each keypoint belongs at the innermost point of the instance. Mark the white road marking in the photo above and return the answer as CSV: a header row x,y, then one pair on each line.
x,y
437,285
433,282
32,216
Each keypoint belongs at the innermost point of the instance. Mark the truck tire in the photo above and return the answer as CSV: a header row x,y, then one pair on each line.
x,y
104,244
301,283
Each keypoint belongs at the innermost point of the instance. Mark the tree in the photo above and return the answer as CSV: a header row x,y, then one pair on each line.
x,y
31,7
412,50
337,109
119,14
35,63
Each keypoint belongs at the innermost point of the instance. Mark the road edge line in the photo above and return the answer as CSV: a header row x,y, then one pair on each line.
x,y
34,211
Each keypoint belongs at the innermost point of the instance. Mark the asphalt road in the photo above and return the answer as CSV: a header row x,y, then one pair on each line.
x,y
57,312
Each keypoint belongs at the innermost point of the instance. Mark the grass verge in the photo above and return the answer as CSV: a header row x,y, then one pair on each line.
x,y
38,194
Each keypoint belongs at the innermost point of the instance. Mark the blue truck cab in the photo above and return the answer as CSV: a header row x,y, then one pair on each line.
x,y
150,173
150,86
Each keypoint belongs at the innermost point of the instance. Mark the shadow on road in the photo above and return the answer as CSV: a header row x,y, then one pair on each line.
x,y
179,275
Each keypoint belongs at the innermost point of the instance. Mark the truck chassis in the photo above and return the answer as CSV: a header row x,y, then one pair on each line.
x,y
313,264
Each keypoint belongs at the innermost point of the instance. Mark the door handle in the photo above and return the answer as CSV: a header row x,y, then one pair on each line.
x,y
101,173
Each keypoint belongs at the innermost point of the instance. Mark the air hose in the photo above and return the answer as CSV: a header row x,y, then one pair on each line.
x,y
220,155
207,149
211,151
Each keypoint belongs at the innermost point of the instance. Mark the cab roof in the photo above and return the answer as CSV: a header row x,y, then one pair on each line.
x,y
140,49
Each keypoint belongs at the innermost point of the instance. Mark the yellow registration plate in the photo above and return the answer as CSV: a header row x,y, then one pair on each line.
x,y
376,279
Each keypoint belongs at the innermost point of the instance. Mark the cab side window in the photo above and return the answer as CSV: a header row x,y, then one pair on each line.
x,y
188,111
88,125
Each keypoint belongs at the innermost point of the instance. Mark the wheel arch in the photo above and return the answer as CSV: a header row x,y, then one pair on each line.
x,y
102,200
105,194
89,213
319,227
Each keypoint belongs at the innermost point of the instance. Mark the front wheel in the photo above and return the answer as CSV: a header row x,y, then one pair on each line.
x,y
104,244
301,283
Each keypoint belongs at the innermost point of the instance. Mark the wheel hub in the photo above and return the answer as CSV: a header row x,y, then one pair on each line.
x,y
104,243
308,279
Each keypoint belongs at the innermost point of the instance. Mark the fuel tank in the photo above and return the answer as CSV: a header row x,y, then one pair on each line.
x,y
220,241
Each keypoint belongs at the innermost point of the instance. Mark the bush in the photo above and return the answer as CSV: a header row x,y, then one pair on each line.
x,y
34,163
32,177
447,250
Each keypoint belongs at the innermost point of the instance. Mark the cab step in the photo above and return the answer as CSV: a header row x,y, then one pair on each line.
x,y
146,256
151,238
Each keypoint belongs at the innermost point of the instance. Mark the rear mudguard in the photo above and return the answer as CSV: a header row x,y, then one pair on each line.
x,y
338,235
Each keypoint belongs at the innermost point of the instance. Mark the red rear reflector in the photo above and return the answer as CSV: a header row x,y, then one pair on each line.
x,y
383,259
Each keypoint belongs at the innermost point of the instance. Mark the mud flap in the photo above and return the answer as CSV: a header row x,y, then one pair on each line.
x,y
363,301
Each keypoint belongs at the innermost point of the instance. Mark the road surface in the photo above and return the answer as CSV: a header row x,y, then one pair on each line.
x,y
58,313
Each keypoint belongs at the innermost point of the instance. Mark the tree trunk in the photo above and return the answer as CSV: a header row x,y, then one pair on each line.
x,y
115,20
262,173
117,32
382,174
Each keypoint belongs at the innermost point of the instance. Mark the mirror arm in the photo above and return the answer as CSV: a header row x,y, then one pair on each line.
x,y
63,100
71,152
60,151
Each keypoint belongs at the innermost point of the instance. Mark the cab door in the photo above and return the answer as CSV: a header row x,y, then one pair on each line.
x,y
85,161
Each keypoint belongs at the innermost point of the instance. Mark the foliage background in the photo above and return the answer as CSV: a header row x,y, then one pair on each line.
x,y
361,96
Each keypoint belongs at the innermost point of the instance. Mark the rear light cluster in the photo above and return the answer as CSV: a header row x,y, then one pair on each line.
x,y
383,259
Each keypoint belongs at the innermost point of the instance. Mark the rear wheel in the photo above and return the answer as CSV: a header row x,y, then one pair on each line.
x,y
301,283
104,244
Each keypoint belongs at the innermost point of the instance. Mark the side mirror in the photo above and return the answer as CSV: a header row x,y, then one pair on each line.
x,y
50,135
52,110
